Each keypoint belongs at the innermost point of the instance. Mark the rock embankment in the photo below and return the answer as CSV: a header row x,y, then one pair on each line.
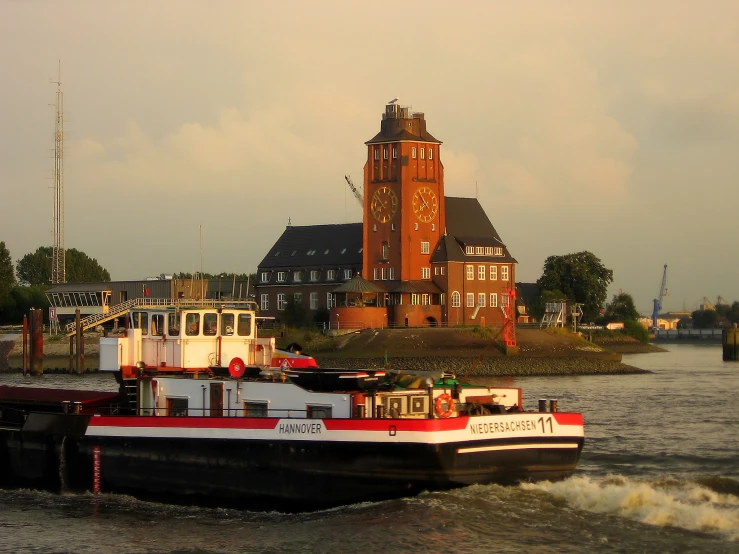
x,y
494,366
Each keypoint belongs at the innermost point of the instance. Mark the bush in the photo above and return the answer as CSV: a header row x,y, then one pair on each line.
x,y
636,330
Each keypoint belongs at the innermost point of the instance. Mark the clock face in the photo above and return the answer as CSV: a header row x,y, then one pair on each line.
x,y
384,204
425,205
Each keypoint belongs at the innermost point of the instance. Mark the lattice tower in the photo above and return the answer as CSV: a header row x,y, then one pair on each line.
x,y
58,262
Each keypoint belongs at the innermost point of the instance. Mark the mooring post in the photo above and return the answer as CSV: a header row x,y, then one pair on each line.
x,y
730,343
78,335
37,342
25,345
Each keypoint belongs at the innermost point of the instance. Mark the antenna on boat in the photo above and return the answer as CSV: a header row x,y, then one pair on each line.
x,y
202,296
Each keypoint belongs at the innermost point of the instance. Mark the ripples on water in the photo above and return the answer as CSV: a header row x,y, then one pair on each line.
x,y
659,473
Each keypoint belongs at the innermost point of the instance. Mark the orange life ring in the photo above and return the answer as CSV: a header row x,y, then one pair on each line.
x,y
194,328
450,405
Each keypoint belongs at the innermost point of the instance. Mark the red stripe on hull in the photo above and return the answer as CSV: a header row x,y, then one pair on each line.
x,y
564,418
423,425
184,422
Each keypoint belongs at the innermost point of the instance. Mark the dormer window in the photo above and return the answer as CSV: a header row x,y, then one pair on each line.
x,y
347,274
297,276
498,251
469,250
330,275
488,250
314,275
281,276
265,276
479,250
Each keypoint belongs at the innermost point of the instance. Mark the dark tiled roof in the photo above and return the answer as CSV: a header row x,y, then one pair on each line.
x,y
467,225
316,246
358,284
403,134
78,287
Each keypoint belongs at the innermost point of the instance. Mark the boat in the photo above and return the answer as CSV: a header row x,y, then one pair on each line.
x,y
209,412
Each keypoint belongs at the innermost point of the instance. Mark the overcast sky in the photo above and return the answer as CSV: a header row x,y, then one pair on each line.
x,y
611,127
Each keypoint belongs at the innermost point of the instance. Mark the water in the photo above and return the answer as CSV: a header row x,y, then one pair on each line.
x,y
659,473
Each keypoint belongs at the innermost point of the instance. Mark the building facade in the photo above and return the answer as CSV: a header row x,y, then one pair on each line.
x,y
430,259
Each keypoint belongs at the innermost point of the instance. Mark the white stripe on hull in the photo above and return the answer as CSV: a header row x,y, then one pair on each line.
x,y
544,446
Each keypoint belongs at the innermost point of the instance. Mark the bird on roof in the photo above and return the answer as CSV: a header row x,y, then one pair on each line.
x,y
393,101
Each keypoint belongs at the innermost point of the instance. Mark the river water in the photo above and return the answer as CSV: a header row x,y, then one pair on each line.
x,y
659,473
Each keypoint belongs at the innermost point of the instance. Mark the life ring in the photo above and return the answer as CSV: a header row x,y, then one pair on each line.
x,y
450,405
193,328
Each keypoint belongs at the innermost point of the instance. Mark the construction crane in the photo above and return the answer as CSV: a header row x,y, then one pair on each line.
x,y
658,300
357,194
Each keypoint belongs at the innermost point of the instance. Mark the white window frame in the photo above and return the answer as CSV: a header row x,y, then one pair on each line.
x,y
425,247
395,152
330,274
297,276
497,251
470,299
425,299
377,274
469,250
493,299
384,273
265,276
488,250
415,299
456,299
413,152
281,302
431,153
329,301
264,302
423,154
493,272
377,152
392,273
481,272
481,299
504,273
470,272
384,153
425,273
347,274
479,250
281,276
313,300
314,275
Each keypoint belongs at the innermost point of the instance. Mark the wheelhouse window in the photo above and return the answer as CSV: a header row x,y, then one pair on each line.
x,y
176,407
141,321
227,324
173,325
192,325
210,324
157,325
244,326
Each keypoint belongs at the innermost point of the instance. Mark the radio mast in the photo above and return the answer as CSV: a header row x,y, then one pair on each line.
x,y
58,265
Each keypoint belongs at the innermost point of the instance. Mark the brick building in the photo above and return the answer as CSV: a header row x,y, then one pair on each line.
x,y
424,258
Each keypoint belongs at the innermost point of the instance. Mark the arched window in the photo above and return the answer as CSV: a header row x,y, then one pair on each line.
x,y
456,300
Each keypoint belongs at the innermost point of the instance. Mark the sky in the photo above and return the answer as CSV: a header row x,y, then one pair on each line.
x,y
196,130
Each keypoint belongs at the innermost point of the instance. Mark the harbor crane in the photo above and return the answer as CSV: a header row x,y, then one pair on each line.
x,y
658,300
357,194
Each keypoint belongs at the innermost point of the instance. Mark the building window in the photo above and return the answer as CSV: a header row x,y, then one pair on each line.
x,y
425,300
313,300
488,250
384,153
392,273
481,299
281,302
347,274
470,299
374,227
329,301
281,276
385,250
177,407
493,272
264,302
415,299
298,298
504,273
423,156
384,274
498,251
493,299
413,152
470,272
395,152
297,276
265,276
330,275
456,300
479,250
481,272
255,409
314,275
433,226
425,273
431,153
441,270
415,227
424,247
469,250
377,152
377,274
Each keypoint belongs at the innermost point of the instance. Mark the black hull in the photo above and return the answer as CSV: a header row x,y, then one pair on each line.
x,y
270,474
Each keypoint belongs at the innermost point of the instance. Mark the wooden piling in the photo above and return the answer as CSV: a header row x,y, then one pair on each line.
x,y
37,341
730,342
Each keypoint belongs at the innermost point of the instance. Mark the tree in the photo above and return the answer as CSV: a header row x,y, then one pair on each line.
x,y
294,313
705,319
35,268
581,277
7,276
622,308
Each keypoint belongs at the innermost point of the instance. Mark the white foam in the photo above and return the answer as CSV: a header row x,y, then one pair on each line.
x,y
665,503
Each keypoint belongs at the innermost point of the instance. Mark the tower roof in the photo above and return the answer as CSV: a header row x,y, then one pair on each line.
x,y
399,123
